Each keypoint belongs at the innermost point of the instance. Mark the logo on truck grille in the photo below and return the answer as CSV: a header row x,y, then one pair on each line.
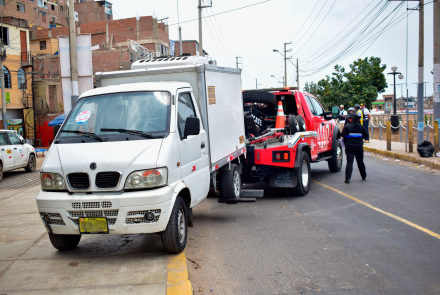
x,y
93,166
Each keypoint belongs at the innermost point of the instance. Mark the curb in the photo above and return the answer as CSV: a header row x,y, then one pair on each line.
x,y
177,275
403,157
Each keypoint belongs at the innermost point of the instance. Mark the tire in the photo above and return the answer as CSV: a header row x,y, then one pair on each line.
x,y
32,164
64,242
1,171
301,123
230,184
262,98
293,124
175,235
304,177
335,163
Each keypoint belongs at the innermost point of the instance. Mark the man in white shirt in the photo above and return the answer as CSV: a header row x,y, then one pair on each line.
x,y
366,120
342,114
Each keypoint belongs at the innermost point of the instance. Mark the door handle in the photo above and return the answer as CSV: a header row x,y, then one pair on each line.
x,y
3,150
15,148
202,145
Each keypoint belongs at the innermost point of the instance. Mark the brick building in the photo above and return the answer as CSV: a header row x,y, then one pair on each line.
x,y
190,47
90,11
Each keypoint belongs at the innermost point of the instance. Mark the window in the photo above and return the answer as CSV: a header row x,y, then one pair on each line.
x,y
2,2
108,16
317,106
7,78
3,139
52,7
13,139
20,7
4,36
21,77
43,45
309,104
61,8
185,109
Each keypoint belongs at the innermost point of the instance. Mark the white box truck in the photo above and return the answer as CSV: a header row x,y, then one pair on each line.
x,y
139,152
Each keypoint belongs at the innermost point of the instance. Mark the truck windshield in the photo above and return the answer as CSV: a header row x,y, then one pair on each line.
x,y
118,116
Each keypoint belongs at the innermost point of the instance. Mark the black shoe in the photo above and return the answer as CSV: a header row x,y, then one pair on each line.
x,y
363,178
347,181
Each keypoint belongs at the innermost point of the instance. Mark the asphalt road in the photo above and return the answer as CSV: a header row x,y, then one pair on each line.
x,y
379,236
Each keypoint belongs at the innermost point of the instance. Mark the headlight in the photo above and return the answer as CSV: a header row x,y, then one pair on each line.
x,y
52,182
147,178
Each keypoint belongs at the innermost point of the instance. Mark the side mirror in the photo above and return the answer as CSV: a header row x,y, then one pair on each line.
x,y
335,112
328,116
192,127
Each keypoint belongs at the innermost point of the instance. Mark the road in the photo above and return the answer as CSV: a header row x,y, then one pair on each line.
x,y
379,236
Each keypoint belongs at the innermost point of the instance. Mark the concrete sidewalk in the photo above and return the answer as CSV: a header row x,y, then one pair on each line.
x,y
101,264
398,152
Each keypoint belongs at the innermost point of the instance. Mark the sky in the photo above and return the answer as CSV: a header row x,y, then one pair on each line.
x,y
318,29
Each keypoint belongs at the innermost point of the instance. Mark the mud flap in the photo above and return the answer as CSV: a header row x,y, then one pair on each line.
x,y
286,177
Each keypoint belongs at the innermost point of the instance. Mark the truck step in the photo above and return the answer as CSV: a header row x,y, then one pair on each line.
x,y
238,200
252,193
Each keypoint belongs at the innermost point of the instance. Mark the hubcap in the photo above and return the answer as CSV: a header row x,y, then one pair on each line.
x,y
305,173
182,225
237,184
339,156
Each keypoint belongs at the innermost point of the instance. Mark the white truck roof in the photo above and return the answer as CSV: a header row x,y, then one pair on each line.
x,y
156,86
168,62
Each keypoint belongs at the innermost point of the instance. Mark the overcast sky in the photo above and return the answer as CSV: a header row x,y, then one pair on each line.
x,y
319,31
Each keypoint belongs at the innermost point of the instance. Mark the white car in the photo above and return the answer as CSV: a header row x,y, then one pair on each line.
x,y
15,153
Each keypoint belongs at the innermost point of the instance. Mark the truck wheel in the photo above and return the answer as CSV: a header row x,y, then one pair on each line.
x,y
335,163
304,177
174,236
301,123
1,171
230,184
293,124
32,164
261,99
64,242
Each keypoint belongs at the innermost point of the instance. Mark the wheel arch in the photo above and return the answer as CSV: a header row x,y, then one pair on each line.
x,y
300,148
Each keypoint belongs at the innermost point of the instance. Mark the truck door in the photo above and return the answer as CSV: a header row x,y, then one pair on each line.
x,y
321,125
6,152
20,154
193,149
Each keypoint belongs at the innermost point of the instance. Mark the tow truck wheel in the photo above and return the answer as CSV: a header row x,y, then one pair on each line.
x,y
175,235
32,164
64,242
304,177
301,123
261,99
293,124
335,163
1,171
230,184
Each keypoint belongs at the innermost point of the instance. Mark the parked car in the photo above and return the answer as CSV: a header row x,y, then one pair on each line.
x,y
15,153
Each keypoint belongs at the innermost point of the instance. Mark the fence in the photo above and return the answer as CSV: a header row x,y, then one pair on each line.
x,y
384,118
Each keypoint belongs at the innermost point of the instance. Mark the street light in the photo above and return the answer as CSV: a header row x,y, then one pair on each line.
x,y
394,118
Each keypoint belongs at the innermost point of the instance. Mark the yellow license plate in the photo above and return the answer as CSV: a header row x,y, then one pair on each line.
x,y
93,225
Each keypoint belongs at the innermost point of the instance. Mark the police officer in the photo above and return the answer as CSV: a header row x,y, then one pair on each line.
x,y
351,110
353,135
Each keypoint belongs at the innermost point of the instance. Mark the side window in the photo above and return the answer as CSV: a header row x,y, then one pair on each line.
x,y
3,139
317,106
309,103
185,109
13,139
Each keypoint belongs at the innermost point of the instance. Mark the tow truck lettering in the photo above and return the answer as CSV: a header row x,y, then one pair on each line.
x,y
194,169
257,121
323,135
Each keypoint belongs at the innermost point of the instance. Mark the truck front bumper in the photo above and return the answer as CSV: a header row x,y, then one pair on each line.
x,y
125,211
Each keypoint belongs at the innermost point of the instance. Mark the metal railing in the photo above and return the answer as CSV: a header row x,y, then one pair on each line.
x,y
400,127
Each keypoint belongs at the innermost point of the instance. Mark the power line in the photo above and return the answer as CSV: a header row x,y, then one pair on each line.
x,y
221,52
306,20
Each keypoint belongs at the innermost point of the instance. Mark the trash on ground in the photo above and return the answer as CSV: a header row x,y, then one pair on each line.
x,y
193,261
425,149
385,159
397,160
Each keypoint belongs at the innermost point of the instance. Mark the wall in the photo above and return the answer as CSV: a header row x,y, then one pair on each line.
x,y
14,40
51,46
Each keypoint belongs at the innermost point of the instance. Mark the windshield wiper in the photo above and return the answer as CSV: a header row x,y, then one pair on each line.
x,y
130,131
85,134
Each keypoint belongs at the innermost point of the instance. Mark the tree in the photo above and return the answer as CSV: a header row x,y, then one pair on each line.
x,y
361,85
313,89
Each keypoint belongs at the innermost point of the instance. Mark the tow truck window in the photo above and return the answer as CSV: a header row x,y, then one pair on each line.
x,y
317,106
185,109
310,105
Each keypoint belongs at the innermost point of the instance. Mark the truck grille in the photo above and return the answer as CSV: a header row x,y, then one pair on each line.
x,y
110,214
79,180
91,205
107,179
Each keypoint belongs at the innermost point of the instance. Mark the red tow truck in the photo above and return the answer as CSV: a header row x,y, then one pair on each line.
x,y
281,155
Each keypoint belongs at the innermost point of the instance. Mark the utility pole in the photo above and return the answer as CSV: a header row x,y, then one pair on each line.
x,y
285,62
200,7
236,61
180,41
420,100
73,56
2,74
436,60
256,84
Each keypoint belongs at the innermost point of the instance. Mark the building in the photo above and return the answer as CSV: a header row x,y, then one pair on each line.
x,y
90,11
18,79
189,47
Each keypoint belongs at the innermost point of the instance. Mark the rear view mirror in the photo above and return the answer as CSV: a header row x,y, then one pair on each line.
x,y
335,112
192,127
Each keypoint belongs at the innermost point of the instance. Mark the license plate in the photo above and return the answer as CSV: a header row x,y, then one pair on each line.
x,y
93,225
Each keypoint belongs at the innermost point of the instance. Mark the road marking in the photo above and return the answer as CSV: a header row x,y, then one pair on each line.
x,y
177,275
425,230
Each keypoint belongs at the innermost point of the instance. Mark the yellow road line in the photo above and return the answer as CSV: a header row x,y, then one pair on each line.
x,y
177,275
431,233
